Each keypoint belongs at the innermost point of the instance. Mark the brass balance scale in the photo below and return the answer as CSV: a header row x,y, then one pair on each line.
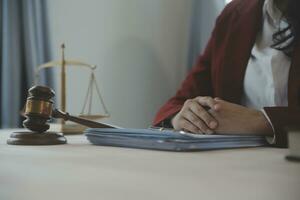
x,y
86,111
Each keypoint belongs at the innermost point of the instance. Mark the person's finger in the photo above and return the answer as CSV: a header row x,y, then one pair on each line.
x,y
187,103
187,125
204,115
198,122
217,99
207,101
218,106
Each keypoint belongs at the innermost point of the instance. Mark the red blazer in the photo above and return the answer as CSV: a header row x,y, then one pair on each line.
x,y
220,70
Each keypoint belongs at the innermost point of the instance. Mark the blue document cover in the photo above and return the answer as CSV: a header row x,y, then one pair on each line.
x,y
169,140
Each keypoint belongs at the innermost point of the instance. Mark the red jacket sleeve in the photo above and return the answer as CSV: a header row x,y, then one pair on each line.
x,y
201,81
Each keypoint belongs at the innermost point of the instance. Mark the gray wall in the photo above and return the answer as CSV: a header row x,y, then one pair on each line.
x,y
204,14
140,47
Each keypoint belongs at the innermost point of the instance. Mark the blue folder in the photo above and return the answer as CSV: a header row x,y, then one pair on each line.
x,y
169,140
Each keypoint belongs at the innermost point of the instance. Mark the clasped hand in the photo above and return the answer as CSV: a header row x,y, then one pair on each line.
x,y
207,115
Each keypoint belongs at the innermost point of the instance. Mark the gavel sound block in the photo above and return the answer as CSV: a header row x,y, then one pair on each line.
x,y
38,110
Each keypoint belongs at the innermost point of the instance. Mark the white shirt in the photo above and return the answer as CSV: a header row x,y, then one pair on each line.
x,y
266,77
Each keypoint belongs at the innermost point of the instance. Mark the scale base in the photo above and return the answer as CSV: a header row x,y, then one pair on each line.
x,y
31,138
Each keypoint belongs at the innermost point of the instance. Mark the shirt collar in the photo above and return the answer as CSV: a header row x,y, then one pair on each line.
x,y
272,11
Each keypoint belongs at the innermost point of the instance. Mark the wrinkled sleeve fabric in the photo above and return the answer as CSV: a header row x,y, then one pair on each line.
x,y
281,119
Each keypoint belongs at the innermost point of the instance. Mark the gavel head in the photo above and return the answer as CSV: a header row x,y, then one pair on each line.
x,y
38,108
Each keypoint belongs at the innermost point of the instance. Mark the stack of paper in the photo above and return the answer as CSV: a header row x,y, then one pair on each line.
x,y
169,140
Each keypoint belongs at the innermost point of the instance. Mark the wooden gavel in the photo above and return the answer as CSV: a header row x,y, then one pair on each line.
x,y
39,109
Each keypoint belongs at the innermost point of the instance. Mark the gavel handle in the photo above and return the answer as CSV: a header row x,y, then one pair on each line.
x,y
58,114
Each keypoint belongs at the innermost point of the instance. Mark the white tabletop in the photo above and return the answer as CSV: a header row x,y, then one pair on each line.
x,y
80,170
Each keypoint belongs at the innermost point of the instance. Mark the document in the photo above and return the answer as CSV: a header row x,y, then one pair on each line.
x,y
169,140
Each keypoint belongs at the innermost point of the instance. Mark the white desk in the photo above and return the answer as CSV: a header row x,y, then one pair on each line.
x,y
83,171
